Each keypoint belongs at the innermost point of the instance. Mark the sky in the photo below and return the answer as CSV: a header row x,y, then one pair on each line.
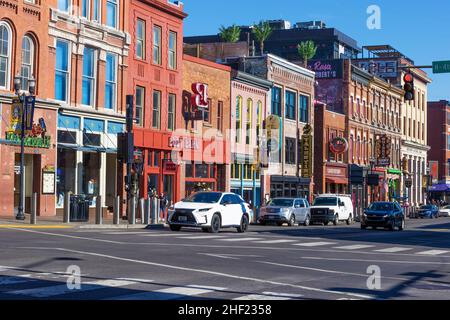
x,y
419,29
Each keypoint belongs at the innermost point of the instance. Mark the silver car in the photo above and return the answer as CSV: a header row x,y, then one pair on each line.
x,y
286,210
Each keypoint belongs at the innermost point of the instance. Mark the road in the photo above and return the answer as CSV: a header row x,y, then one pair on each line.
x,y
271,262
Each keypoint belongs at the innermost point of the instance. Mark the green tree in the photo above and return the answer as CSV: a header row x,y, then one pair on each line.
x,y
307,50
262,32
230,34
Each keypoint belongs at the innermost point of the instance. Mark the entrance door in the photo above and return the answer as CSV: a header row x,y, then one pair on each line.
x,y
28,186
169,187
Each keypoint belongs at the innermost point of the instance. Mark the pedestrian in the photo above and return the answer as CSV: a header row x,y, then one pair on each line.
x,y
162,206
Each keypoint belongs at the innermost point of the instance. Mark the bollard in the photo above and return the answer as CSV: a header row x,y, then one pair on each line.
x,y
67,208
132,211
142,209
153,211
98,210
116,218
33,208
147,211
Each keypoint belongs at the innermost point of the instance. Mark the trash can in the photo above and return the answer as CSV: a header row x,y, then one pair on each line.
x,y
79,208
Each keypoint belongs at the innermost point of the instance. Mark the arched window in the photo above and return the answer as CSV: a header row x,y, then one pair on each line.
x,y
238,118
248,137
5,55
27,66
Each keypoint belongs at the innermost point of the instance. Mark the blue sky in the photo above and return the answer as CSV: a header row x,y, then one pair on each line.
x,y
426,39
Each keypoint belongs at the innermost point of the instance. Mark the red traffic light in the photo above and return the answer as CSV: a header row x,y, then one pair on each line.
x,y
408,77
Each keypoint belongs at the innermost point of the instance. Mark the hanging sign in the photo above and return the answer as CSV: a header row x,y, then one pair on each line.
x,y
199,99
307,152
338,145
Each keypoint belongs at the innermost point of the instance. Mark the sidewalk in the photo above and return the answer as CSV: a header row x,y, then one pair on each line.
x,y
56,222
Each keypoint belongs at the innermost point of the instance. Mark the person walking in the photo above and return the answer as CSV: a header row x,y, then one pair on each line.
x,y
162,207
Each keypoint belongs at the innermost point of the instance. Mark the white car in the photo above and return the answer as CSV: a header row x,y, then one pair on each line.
x,y
210,211
444,211
332,208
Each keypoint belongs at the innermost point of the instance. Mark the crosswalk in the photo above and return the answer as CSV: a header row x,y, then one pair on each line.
x,y
16,286
254,238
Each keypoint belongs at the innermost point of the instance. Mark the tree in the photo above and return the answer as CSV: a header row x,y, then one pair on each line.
x,y
230,34
307,50
262,32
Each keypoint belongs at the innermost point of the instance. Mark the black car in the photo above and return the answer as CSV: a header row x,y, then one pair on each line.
x,y
388,215
428,211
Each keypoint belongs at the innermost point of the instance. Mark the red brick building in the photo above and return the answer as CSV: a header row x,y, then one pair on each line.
x,y
155,79
25,52
439,137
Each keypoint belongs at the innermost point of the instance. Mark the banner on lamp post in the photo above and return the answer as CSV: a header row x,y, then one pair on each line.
x,y
29,112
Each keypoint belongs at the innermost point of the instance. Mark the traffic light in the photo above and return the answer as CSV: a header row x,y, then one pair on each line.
x,y
409,86
125,147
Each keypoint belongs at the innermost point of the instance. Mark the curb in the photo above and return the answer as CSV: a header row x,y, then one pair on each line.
x,y
120,227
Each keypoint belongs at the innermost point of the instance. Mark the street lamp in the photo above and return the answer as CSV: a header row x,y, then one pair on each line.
x,y
22,97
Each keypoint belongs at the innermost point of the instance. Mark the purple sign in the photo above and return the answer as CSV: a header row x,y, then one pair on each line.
x,y
326,69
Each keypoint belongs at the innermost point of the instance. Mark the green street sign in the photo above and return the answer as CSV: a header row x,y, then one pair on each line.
x,y
441,66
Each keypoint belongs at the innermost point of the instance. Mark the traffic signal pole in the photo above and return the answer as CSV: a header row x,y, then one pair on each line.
x,y
129,163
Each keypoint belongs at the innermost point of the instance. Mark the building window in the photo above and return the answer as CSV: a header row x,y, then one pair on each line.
x,y
85,8
111,81
140,39
248,136
238,118
172,50
207,112
88,77
258,120
171,112
219,116
290,151
26,69
235,171
304,104
96,11
111,13
140,103
290,105
157,45
276,101
5,55
63,5
62,71
156,123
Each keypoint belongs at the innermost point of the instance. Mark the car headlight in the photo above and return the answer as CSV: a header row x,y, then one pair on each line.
x,y
204,210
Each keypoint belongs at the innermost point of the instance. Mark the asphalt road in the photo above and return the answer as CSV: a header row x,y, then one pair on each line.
x,y
281,263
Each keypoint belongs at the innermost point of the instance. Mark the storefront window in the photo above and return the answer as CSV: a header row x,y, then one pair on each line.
x,y
91,174
201,171
65,180
189,170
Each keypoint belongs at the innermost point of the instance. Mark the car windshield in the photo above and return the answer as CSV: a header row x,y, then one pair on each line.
x,y
325,202
204,197
381,207
426,207
446,208
281,203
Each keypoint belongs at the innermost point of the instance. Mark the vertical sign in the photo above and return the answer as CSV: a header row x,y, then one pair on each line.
x,y
16,115
307,152
30,102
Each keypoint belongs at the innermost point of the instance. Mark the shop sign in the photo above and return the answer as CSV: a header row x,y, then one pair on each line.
x,y
199,99
326,69
338,145
381,68
307,152
170,166
30,141
336,172
184,143
48,182
383,151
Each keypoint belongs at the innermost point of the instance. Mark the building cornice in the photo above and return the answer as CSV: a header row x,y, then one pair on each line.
x,y
251,80
415,145
291,66
167,8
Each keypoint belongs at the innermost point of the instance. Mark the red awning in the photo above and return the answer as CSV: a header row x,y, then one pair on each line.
x,y
337,180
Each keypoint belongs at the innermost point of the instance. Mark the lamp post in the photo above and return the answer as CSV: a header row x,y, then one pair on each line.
x,y
22,96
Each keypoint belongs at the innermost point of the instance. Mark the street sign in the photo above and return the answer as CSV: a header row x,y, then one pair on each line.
x,y
441,66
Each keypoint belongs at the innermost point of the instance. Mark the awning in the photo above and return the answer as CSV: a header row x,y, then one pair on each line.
x,y
86,148
337,180
443,187
394,171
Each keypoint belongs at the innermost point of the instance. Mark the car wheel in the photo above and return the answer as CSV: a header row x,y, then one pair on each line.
x,y
205,230
350,219
215,224
402,225
307,221
392,226
291,222
280,224
244,225
336,220
174,228
326,223
363,227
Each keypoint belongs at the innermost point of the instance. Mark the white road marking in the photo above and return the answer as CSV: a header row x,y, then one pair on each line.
x,y
354,247
51,291
394,250
124,233
200,237
287,295
184,291
229,256
165,235
165,294
204,271
315,244
257,297
378,261
240,239
136,280
207,287
432,252
276,241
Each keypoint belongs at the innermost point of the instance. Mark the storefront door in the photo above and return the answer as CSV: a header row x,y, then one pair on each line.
x,y
169,187
28,187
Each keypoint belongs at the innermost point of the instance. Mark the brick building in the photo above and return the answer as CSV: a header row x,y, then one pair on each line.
x,y
88,62
155,79
202,143
24,51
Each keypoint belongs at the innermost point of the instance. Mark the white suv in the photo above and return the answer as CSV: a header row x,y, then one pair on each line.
x,y
332,208
210,211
